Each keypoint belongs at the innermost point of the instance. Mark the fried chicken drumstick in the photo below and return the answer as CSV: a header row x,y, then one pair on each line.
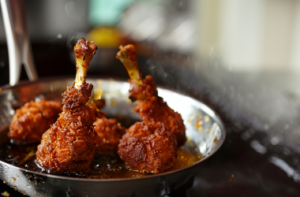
x,y
149,146
69,145
150,106
32,120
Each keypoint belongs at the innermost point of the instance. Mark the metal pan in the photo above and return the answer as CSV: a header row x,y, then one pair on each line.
x,y
207,140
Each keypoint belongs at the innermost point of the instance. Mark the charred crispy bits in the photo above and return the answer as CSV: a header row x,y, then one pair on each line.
x,y
69,145
109,134
148,147
150,106
32,120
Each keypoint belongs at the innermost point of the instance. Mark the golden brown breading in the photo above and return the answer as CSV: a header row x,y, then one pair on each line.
x,y
32,120
154,109
109,134
69,145
148,147
150,106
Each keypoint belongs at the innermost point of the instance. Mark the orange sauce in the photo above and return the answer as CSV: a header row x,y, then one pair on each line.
x,y
184,159
116,168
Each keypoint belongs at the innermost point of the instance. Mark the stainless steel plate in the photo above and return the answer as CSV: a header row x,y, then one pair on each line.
x,y
204,129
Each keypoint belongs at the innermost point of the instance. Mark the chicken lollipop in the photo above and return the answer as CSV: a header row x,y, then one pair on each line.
x,y
69,145
148,147
32,120
150,106
109,134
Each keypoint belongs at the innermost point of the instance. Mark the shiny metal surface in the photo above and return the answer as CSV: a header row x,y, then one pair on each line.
x,y
208,137
18,43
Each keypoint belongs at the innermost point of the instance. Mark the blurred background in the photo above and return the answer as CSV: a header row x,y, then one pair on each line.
x,y
241,57
246,35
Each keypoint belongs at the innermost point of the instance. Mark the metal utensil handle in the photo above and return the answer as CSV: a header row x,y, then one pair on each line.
x,y
19,50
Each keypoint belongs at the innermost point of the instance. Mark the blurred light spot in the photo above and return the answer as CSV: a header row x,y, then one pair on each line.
x,y
206,118
97,93
199,123
113,102
230,182
274,140
285,167
5,193
59,36
258,147
266,126
12,112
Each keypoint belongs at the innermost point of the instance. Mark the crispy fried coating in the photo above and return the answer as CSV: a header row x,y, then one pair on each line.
x,y
148,147
32,120
109,134
69,145
150,106
154,109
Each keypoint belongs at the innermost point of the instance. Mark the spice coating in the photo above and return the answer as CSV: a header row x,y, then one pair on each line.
x,y
150,106
32,120
69,145
109,134
154,109
148,147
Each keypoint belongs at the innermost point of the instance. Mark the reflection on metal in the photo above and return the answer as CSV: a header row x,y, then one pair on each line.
x,y
258,147
291,172
19,50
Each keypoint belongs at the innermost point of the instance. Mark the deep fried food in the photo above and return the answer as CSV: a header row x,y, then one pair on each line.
x,y
148,147
150,106
109,134
154,109
32,120
69,145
